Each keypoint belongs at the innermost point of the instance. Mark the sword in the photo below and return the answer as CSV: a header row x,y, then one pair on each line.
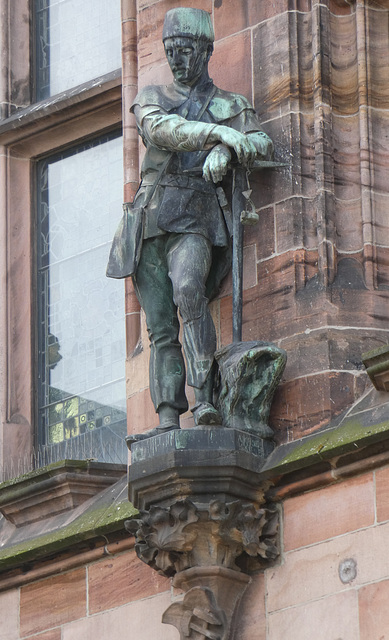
x,y
243,213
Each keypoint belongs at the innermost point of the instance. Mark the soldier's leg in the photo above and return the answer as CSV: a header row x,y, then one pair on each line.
x,y
167,370
189,261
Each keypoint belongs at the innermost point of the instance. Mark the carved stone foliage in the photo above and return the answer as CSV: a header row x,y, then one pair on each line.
x,y
245,529
164,537
234,535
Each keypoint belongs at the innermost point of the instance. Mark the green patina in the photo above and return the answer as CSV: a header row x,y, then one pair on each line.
x,y
92,524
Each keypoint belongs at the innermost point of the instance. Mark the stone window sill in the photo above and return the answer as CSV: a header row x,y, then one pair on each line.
x,y
75,102
55,489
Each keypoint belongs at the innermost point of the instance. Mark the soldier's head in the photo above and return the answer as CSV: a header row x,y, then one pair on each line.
x,y
188,39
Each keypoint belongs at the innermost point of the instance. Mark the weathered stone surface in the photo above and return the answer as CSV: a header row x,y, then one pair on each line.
x,y
118,580
321,398
213,594
373,613
377,366
193,463
309,517
332,617
55,489
233,53
66,595
184,535
295,224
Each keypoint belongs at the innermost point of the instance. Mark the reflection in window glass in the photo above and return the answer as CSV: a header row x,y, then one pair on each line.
x,y
77,40
81,339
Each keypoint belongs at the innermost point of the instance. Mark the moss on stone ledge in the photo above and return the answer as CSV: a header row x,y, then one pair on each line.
x,y
98,520
366,425
354,434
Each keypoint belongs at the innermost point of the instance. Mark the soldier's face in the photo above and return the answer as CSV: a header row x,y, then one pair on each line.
x,y
186,58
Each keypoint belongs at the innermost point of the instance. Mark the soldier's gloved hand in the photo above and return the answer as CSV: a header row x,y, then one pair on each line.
x,y
216,163
242,145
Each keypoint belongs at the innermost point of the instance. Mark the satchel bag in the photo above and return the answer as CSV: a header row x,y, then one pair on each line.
x,y
127,242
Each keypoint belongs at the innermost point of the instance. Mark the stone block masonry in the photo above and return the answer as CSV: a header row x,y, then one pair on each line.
x,y
334,577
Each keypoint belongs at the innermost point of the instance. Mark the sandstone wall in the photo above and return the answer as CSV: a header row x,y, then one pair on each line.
x,y
316,265
332,583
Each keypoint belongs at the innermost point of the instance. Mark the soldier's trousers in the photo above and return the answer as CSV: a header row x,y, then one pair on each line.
x,y
172,274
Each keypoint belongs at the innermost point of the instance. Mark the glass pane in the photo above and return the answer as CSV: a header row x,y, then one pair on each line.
x,y
81,312
77,40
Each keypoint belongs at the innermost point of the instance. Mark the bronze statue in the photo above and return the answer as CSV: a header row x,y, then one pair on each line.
x,y
175,237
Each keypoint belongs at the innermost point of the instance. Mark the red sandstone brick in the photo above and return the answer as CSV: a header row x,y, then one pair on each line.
x,y
230,65
382,494
327,348
132,331
295,225
374,611
262,235
52,602
120,580
130,189
132,304
382,264
319,515
317,568
379,122
142,4
272,71
378,86
346,167
150,22
225,321
249,271
332,618
303,405
157,74
141,414
339,7
231,17
380,203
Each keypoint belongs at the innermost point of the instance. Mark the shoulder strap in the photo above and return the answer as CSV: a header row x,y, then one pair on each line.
x,y
166,162
206,102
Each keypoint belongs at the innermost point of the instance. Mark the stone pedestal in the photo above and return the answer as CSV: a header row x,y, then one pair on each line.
x,y
203,464
203,520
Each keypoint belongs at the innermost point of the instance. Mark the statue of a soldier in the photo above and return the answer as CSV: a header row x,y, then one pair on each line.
x,y
192,132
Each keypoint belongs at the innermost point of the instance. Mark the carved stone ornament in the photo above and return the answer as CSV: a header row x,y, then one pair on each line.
x,y
164,537
234,535
205,547
197,616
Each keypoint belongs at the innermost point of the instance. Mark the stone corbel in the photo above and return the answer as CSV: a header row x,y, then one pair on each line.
x,y
203,521
203,548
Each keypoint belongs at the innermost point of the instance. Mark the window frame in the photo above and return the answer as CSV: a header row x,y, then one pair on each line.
x,y
28,135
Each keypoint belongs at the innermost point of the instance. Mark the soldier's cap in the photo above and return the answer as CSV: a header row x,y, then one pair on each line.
x,y
183,22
